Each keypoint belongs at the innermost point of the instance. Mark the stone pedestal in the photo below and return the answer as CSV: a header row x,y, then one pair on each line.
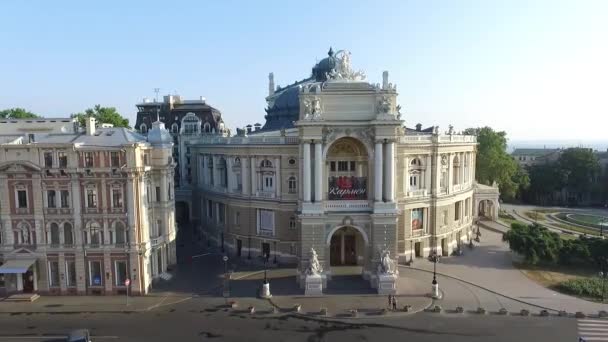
x,y
435,291
313,285
387,284
265,292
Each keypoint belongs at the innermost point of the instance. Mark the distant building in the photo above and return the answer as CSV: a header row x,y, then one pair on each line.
x,y
532,156
82,211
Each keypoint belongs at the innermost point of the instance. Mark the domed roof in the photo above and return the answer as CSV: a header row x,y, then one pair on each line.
x,y
324,67
284,111
159,136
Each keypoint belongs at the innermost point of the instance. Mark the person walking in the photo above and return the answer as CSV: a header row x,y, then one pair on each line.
x,y
390,300
394,303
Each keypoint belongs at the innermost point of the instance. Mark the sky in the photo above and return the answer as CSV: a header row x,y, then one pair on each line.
x,y
535,69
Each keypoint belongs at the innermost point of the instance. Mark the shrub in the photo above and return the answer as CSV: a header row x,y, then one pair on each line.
x,y
584,287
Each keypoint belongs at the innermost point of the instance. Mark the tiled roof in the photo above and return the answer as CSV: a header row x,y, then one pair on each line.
x,y
534,151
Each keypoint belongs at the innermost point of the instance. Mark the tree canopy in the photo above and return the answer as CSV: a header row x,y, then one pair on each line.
x,y
103,115
17,113
494,164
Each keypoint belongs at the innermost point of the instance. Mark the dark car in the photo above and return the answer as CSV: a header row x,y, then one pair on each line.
x,y
81,335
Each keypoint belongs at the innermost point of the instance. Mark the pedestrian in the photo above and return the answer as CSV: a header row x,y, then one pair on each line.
x,y
390,300
394,303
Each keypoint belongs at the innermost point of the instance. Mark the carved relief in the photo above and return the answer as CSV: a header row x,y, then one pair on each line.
x,y
312,108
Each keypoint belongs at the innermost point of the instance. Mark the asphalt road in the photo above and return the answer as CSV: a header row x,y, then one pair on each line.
x,y
184,324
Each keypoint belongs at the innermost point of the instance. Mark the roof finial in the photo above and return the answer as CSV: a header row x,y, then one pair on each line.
x,y
330,52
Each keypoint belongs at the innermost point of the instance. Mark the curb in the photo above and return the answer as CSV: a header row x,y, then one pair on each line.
x,y
483,288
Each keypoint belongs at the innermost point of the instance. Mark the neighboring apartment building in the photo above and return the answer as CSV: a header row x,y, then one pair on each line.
x,y
82,211
532,156
334,169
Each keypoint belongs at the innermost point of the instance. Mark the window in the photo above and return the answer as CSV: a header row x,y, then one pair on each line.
x,y
169,193
120,270
265,222
63,159
70,273
95,278
120,233
268,180
148,200
221,212
50,196
209,209
342,166
444,218
143,128
53,273
266,163
292,185
88,159
159,228
292,222
467,205
95,234
332,166
174,128
22,198
158,194
54,234
237,218
65,199
48,159
116,198
114,160
417,219
207,127
146,162
291,161
68,235
457,210
91,198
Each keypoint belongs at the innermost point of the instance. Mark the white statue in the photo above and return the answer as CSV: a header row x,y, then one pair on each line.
x,y
384,105
387,265
343,69
315,267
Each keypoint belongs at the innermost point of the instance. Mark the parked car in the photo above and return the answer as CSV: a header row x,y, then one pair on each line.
x,y
80,335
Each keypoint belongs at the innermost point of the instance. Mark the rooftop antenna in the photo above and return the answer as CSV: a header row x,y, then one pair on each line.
x,y
157,90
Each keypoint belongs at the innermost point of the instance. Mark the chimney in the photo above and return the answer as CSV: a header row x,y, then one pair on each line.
x,y
203,100
419,127
271,84
249,128
90,125
385,80
257,126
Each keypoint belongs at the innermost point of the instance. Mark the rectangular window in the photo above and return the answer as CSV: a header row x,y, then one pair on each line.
x,y
65,199
22,198
95,276
417,219
114,161
158,194
91,198
116,198
265,222
146,159
169,191
221,211
237,218
342,166
48,159
50,196
457,210
209,209
53,273
332,166
352,166
88,159
63,159
444,218
120,270
70,273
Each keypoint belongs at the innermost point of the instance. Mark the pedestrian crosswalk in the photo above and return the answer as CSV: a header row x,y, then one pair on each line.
x,y
592,330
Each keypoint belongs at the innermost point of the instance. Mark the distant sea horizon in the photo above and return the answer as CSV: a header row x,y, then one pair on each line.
x,y
598,145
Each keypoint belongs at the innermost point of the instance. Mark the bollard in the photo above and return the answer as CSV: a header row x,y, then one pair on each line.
x,y
251,310
562,313
323,312
297,308
580,314
407,308
437,308
503,311
481,311
459,309
524,312
544,313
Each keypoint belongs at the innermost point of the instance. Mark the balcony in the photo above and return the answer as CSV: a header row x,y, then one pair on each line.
x,y
266,194
417,193
356,205
57,211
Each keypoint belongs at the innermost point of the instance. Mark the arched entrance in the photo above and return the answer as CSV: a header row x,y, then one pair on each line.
x,y
486,209
348,258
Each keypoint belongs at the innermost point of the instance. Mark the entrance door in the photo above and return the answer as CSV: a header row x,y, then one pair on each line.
x,y
266,250
417,249
159,257
444,247
28,281
335,250
239,247
350,248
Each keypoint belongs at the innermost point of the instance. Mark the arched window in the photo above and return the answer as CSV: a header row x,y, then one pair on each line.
x,y
416,162
207,127
292,185
54,234
237,161
120,236
292,222
174,128
266,163
93,235
143,128
68,235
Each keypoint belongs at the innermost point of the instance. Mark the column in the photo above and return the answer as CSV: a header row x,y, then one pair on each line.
x,y
390,172
277,176
245,175
229,175
450,185
318,172
462,164
428,171
378,171
438,167
216,173
204,169
406,175
306,181
254,179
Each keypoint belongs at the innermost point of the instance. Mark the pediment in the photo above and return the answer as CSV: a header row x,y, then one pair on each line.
x,y
23,252
19,166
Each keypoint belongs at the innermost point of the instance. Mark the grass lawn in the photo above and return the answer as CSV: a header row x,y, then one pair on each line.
x,y
588,218
552,276
535,215
576,228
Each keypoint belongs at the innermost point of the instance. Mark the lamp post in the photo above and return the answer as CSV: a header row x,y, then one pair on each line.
x,y
226,277
434,285
265,293
411,252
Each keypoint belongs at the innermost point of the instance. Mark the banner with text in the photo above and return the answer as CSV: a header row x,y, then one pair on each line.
x,y
347,188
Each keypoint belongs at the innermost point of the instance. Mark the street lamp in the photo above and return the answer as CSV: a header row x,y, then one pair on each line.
x,y
265,293
411,252
434,285
226,277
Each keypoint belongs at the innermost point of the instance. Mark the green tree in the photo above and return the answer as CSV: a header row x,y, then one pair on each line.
x,y
17,113
494,164
103,115
534,242
545,179
581,167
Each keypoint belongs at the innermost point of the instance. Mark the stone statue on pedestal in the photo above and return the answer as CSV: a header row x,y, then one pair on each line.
x,y
387,265
315,267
